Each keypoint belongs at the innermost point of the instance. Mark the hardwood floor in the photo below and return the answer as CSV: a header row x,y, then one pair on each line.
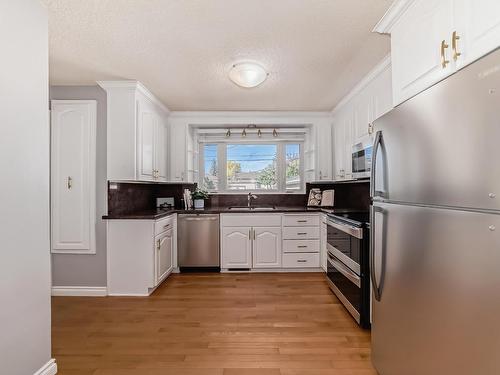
x,y
212,324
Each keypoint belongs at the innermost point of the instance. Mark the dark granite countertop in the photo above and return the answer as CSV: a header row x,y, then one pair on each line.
x,y
159,213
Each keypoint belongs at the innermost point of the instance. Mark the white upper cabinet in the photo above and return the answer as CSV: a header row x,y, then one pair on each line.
x,y
73,168
431,39
324,150
353,116
477,29
137,133
420,49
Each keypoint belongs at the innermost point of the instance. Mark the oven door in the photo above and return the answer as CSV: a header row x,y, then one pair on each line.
x,y
345,284
344,242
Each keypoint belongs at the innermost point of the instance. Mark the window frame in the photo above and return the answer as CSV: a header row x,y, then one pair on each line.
x,y
280,167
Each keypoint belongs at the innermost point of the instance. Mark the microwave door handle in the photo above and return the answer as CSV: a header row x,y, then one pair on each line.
x,y
377,291
376,144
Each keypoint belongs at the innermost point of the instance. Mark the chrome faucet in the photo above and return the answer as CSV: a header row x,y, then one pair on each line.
x,y
250,197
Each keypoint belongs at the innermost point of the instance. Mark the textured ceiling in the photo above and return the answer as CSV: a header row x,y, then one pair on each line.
x,y
182,50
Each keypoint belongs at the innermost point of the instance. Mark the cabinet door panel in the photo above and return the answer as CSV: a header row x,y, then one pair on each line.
x,y
478,26
73,125
266,247
146,138
416,47
236,247
164,255
161,149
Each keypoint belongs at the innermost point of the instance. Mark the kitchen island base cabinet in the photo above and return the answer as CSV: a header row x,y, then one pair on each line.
x,y
140,255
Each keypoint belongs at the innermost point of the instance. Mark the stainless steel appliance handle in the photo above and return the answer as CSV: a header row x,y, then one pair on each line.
x,y
198,218
376,145
344,270
373,275
356,232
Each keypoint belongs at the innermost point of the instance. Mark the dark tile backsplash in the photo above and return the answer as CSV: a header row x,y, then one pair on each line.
x,y
227,200
130,197
354,194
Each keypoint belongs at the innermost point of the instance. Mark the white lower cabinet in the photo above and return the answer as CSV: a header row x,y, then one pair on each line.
x,y
301,236
256,245
140,255
164,255
266,247
236,247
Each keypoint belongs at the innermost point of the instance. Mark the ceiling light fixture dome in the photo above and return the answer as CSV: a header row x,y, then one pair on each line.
x,y
247,74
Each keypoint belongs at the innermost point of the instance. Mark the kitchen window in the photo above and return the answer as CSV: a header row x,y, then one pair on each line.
x,y
243,167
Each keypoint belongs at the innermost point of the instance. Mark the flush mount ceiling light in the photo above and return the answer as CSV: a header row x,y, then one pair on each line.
x,y
247,74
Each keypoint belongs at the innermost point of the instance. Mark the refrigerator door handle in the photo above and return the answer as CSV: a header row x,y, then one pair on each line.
x,y
377,143
377,292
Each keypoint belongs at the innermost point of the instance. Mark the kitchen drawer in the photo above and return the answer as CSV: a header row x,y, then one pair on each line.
x,y
300,246
300,260
164,224
301,233
251,220
300,220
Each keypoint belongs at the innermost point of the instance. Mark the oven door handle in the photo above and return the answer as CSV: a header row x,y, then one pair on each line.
x,y
344,270
356,232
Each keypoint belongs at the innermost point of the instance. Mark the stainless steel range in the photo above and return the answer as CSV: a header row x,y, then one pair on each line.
x,y
348,262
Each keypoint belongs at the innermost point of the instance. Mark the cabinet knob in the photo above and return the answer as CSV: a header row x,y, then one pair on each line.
x,y
492,195
492,228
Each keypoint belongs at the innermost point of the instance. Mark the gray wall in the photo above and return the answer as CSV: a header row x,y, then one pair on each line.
x,y
87,269
24,202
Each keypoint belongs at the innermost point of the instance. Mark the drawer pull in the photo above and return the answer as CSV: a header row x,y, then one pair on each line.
x,y
166,226
302,246
301,233
301,221
301,261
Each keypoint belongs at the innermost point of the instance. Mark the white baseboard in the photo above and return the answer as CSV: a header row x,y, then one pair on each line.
x,y
50,368
80,291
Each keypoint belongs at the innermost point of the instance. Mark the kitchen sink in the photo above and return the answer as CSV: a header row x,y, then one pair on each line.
x,y
246,208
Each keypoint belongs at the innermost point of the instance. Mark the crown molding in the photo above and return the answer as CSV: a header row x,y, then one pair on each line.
x,y
384,64
253,114
397,8
133,85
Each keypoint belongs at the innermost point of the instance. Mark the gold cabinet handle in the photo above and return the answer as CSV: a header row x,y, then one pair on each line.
x,y
444,62
454,38
70,182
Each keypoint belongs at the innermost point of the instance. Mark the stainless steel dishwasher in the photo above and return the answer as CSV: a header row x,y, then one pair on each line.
x,y
198,242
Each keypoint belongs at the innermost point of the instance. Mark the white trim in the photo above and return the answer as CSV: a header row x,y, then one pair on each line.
x,y
80,291
397,8
384,64
50,368
134,85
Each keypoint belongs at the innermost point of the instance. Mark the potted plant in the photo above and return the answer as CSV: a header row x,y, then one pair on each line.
x,y
199,196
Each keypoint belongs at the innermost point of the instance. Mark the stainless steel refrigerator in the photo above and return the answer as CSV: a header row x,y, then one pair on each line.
x,y
435,219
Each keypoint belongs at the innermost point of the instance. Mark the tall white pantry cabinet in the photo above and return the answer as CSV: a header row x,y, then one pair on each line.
x,y
73,171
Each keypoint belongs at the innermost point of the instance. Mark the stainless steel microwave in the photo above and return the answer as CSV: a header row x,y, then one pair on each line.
x,y
362,157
